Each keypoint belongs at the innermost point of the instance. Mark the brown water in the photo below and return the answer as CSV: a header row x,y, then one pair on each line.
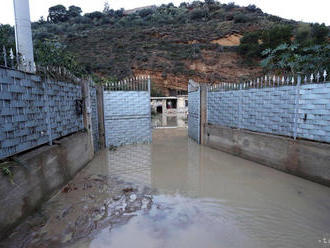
x,y
180,194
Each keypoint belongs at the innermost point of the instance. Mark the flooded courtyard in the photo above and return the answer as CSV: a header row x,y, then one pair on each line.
x,y
175,193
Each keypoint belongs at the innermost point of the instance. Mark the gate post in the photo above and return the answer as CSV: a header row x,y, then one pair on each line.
x,y
203,112
100,112
87,113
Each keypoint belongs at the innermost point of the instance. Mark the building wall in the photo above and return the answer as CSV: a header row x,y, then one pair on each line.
x,y
34,111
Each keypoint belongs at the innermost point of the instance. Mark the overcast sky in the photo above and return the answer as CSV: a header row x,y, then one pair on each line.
x,y
299,10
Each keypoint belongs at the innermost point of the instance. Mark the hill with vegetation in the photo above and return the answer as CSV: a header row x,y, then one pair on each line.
x,y
207,41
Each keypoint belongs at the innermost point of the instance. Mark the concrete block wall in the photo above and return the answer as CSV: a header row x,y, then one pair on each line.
x,y
296,111
314,112
33,110
127,117
194,113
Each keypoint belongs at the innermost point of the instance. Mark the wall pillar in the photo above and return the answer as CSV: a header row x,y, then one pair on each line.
x,y
203,112
100,112
87,113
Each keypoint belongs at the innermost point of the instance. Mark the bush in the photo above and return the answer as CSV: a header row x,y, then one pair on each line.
x,y
319,33
146,12
277,35
241,18
95,15
198,14
249,46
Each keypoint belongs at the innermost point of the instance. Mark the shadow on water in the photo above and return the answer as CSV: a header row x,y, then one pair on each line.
x,y
175,193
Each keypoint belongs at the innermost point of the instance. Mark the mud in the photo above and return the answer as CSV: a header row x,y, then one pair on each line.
x,y
174,193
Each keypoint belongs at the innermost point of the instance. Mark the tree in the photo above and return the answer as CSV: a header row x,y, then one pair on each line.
x,y
249,45
319,33
95,15
57,14
277,35
49,53
74,11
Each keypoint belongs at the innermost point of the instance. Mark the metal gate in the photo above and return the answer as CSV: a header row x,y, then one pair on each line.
x,y
127,112
194,113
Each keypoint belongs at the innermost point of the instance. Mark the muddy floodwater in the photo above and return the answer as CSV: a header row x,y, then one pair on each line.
x,y
175,193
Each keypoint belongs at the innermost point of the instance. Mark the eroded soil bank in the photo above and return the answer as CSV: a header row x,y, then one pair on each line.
x,y
174,193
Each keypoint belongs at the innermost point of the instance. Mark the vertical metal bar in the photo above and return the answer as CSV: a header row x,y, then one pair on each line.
x,y
4,55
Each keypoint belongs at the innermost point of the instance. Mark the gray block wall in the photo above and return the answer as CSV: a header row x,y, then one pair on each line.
x,y
296,111
127,117
33,111
194,113
314,112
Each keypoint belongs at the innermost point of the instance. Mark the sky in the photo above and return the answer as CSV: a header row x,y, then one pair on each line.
x,y
299,10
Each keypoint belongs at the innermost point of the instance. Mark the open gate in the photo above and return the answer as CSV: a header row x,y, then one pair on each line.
x,y
127,112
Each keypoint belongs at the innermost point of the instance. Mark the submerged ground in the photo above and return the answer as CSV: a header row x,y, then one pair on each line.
x,y
175,193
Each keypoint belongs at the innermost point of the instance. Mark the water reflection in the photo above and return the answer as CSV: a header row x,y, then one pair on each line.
x,y
209,198
169,120
196,197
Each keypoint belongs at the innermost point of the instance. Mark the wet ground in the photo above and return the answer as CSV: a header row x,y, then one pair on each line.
x,y
174,193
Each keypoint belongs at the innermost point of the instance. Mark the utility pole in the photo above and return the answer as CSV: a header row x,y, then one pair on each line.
x,y
23,36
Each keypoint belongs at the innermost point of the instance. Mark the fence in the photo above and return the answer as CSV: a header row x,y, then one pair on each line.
x,y
36,111
127,113
298,107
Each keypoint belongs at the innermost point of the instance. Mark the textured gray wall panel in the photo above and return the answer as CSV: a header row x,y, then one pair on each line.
x,y
303,110
30,108
127,117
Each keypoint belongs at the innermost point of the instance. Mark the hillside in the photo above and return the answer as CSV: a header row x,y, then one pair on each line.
x,y
201,40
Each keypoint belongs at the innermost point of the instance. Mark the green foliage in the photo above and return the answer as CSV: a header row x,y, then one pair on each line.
x,y
74,11
49,53
277,35
197,14
319,33
249,45
241,18
57,14
294,58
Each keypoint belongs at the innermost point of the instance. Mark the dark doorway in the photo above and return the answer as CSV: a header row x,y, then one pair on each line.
x,y
159,109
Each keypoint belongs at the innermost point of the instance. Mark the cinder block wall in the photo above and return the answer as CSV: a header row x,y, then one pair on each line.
x,y
314,112
301,111
127,117
33,111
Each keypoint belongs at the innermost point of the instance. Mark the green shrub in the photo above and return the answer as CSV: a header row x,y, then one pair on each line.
x,y
241,18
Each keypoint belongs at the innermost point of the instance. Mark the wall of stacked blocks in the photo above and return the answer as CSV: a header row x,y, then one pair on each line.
x,y
127,117
300,111
34,111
